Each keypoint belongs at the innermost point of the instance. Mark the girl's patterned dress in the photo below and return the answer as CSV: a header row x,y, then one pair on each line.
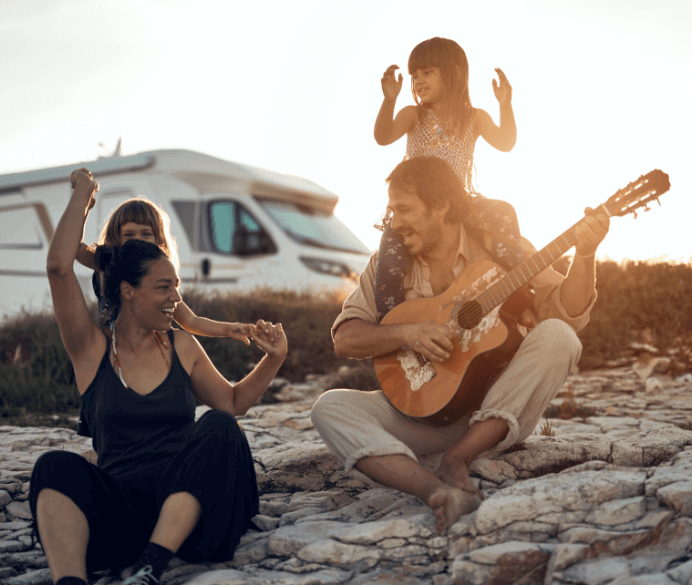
x,y
430,137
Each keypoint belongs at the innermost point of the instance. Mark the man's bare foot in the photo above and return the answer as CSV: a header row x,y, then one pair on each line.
x,y
456,474
449,503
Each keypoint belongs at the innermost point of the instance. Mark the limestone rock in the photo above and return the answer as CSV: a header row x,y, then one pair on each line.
x,y
605,500
556,493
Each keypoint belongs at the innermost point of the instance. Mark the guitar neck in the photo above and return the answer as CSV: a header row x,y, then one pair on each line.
x,y
513,281
637,194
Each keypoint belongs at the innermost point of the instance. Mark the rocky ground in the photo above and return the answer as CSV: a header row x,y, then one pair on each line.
x,y
601,498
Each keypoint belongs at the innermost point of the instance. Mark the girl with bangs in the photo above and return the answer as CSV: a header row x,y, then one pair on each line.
x,y
141,219
443,123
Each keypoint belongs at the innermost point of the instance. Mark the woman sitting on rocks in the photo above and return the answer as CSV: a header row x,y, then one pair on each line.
x,y
164,484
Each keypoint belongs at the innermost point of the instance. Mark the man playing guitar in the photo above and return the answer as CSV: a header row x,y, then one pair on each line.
x,y
427,206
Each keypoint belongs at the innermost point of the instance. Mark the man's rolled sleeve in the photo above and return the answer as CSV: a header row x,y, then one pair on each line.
x,y
360,304
551,307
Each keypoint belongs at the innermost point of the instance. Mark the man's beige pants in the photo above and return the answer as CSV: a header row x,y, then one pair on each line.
x,y
356,424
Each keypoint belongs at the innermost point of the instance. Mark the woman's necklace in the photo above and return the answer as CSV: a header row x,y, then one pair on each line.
x,y
159,341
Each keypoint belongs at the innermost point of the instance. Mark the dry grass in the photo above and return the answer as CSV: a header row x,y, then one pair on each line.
x,y
569,408
637,301
547,429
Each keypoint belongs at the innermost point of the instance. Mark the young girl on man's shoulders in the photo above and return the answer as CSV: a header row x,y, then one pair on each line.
x,y
443,124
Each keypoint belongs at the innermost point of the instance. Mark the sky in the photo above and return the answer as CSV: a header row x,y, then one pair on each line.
x,y
601,93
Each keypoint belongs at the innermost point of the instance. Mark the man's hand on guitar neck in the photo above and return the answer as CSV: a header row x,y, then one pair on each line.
x,y
591,231
578,288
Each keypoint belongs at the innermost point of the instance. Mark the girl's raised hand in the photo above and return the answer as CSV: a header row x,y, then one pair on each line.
x,y
391,86
83,180
270,338
503,91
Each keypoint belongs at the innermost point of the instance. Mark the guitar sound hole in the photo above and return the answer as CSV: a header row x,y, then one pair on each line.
x,y
470,315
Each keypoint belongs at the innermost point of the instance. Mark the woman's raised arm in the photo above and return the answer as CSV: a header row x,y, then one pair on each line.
x,y
76,326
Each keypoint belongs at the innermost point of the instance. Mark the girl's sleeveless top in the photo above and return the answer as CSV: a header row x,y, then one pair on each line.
x,y
430,137
136,436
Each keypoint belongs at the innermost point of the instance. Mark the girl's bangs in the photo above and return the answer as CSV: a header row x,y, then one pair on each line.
x,y
422,58
437,52
140,213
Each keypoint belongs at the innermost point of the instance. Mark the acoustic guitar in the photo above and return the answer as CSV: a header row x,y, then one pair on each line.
x,y
481,307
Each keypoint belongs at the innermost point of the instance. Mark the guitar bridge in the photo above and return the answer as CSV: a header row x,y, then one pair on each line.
x,y
417,369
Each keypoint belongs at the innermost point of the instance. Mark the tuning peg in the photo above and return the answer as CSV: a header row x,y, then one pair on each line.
x,y
657,201
646,208
635,214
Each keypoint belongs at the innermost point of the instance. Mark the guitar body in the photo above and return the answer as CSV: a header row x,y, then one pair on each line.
x,y
442,392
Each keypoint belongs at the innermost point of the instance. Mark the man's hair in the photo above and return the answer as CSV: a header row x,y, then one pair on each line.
x,y
434,181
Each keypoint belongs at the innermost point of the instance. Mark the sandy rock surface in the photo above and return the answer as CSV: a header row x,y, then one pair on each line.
x,y
602,498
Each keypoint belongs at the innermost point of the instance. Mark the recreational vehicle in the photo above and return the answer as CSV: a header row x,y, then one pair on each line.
x,y
237,227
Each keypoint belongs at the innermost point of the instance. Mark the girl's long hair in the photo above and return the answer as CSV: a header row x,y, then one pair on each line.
x,y
144,212
447,55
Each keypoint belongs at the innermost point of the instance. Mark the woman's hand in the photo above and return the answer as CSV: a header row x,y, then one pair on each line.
x,y
503,91
271,339
82,182
240,331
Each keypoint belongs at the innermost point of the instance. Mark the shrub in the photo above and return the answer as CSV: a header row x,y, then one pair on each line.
x,y
360,378
645,301
634,297
306,319
41,379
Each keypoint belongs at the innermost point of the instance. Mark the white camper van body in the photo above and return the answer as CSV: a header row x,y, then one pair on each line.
x,y
237,227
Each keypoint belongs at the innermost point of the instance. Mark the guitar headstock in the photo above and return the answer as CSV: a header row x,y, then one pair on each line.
x,y
638,194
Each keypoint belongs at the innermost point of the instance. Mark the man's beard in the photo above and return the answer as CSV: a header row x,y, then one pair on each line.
x,y
429,233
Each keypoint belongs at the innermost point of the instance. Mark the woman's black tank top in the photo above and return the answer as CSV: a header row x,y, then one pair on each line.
x,y
135,436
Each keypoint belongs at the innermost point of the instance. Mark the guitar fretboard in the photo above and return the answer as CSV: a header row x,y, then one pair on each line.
x,y
637,194
499,292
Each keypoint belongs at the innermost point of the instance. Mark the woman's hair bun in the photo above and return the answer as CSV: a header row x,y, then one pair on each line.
x,y
104,256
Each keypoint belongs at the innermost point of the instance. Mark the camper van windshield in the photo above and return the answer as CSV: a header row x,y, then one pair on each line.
x,y
313,228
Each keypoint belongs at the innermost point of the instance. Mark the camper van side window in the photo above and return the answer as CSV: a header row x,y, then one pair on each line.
x,y
253,239
222,220
235,231
18,229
